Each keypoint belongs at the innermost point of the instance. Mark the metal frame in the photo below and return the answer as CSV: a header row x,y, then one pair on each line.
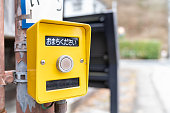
x,y
107,23
113,59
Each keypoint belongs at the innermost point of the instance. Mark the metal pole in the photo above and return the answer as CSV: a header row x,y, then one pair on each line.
x,y
114,60
2,67
60,106
24,103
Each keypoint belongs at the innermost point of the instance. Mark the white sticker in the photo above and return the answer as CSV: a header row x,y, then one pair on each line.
x,y
44,9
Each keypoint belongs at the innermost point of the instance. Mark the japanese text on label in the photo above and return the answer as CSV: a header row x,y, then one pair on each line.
x,y
61,41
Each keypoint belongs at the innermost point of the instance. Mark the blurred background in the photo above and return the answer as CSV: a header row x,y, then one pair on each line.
x,y
140,40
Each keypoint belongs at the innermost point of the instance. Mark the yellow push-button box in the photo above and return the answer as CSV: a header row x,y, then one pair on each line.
x,y
57,60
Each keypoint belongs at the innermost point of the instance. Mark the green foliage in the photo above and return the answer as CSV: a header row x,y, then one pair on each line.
x,y
139,49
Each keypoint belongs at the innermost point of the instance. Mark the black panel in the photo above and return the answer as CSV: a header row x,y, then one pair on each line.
x,y
61,41
61,84
100,48
104,53
99,52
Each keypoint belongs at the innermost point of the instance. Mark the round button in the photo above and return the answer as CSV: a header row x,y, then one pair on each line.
x,y
65,63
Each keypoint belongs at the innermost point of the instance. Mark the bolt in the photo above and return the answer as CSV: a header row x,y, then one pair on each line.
x,y
42,62
105,57
102,19
81,60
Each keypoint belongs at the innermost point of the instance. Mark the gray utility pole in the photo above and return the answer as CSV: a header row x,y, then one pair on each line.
x,y
24,103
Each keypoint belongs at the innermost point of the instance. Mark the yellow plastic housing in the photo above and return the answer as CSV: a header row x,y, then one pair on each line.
x,y
38,74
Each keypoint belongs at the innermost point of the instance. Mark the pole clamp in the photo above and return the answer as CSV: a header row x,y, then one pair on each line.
x,y
20,46
20,77
22,17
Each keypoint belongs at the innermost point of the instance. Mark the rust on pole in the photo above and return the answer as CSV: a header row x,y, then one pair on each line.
x,y
24,103
2,66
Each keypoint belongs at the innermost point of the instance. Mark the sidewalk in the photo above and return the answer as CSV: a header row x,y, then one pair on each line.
x,y
99,100
144,87
152,85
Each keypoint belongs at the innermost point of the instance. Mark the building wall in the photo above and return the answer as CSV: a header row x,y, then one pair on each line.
x,y
82,7
9,18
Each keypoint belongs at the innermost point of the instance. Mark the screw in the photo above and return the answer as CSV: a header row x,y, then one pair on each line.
x,y
81,60
42,62
101,19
